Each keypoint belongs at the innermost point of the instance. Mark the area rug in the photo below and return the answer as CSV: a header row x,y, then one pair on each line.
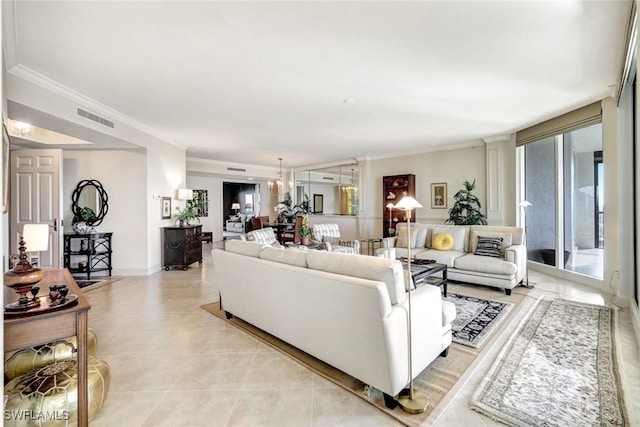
x,y
476,318
435,382
558,368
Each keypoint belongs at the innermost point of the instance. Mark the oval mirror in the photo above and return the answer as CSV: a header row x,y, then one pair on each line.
x,y
89,202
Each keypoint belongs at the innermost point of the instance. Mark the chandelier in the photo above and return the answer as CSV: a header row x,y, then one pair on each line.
x,y
351,188
276,187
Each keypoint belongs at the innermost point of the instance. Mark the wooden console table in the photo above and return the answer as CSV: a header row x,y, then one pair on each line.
x,y
28,330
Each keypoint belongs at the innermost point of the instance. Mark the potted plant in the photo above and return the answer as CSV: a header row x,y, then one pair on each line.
x,y
286,210
305,230
190,210
83,218
467,208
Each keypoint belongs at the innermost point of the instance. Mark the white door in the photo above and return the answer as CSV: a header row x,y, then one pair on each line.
x,y
36,191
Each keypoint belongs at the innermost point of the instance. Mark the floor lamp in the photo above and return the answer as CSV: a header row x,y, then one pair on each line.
x,y
411,401
524,205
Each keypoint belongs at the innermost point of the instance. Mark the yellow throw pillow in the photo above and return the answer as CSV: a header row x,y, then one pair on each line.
x,y
443,242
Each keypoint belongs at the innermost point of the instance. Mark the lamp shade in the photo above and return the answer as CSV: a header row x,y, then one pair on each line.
x,y
407,203
390,205
235,206
185,194
36,237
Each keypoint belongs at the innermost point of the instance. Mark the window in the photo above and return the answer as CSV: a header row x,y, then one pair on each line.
x,y
563,180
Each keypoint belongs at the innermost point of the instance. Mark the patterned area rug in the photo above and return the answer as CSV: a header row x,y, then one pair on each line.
x,y
558,369
476,318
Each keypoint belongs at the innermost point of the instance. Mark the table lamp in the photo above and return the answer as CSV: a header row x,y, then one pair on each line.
x,y
236,207
410,400
23,275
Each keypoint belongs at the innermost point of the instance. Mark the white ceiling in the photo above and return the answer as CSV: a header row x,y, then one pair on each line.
x,y
316,82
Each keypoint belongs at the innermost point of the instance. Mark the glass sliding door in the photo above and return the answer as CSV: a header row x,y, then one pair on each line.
x,y
564,182
584,201
540,191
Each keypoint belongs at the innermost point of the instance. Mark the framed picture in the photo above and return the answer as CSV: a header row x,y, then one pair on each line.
x,y
205,198
318,203
439,195
5,168
166,207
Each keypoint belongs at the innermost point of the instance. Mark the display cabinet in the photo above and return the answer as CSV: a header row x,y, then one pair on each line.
x,y
87,254
182,246
394,188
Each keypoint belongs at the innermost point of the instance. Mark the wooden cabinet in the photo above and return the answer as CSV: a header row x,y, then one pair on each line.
x,y
182,246
85,254
394,188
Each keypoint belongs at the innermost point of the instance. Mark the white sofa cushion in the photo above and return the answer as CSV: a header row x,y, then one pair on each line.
x,y
442,257
483,264
244,247
459,236
366,267
506,240
285,256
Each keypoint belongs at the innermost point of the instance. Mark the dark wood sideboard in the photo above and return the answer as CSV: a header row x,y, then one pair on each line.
x,y
182,246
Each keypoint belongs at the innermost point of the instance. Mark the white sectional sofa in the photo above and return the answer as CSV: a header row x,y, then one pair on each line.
x,y
349,311
463,264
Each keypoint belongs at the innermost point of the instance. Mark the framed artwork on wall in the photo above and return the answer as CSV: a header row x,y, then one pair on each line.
x,y
166,207
205,198
439,195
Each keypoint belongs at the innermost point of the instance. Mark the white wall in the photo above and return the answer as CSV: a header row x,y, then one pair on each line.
x,y
122,175
453,167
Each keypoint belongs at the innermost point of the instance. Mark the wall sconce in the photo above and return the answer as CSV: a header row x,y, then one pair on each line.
x,y
185,194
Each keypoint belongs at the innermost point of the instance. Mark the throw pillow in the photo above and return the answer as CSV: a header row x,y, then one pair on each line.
x,y
506,239
489,246
459,234
402,237
443,242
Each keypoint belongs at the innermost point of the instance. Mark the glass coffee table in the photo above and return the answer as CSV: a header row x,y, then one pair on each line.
x,y
425,272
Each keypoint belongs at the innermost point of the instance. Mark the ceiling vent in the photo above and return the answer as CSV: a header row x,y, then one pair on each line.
x,y
236,170
97,119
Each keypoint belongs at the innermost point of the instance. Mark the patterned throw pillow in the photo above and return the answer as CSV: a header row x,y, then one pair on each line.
x,y
489,246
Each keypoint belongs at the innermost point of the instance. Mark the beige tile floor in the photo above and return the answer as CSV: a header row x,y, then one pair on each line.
x,y
173,364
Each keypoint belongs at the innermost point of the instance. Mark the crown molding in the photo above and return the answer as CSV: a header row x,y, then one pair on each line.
x,y
86,103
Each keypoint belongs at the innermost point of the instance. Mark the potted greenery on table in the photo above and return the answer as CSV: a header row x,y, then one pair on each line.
x,y
190,210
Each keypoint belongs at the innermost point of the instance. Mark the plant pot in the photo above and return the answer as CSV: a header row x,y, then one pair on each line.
x,y
305,241
81,227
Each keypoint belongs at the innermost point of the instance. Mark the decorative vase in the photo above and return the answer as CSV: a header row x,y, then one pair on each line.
x,y
81,227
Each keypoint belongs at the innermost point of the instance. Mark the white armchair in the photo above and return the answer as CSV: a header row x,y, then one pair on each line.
x,y
329,235
263,235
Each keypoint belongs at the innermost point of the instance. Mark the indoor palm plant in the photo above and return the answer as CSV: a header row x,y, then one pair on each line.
x,y
467,208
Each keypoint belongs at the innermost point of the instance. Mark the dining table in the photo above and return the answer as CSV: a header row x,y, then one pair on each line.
x,y
280,228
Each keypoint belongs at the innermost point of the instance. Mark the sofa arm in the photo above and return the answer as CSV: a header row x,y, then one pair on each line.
x,y
517,254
